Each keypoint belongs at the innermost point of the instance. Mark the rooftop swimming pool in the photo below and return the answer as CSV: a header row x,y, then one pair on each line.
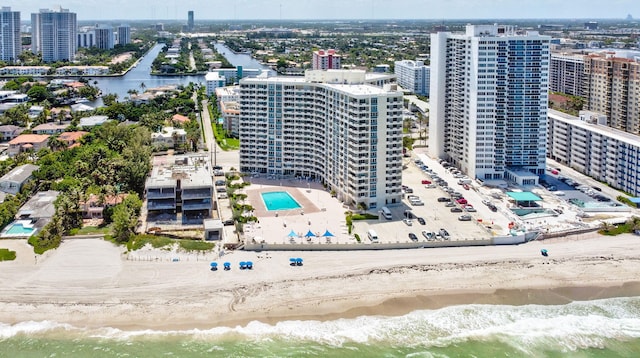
x,y
279,200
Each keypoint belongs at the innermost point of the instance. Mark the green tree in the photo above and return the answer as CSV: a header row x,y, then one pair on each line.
x,y
125,217
38,93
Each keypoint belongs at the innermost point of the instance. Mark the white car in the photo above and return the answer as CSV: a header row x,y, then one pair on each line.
x,y
409,222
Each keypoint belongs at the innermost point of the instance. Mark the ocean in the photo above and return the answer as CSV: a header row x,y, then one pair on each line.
x,y
601,328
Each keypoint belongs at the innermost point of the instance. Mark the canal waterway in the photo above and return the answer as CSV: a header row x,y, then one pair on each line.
x,y
140,74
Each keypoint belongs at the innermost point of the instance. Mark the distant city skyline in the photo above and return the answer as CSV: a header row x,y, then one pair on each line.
x,y
333,9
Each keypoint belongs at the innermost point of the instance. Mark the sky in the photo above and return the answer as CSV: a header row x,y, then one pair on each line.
x,y
332,9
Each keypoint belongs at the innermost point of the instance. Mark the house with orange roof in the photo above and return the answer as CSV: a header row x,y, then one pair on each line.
x,y
94,206
179,118
72,139
27,142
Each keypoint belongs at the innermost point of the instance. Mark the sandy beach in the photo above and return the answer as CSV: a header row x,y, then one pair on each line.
x,y
93,283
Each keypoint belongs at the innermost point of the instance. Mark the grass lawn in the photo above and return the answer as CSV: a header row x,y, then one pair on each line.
x,y
89,230
7,255
192,245
137,242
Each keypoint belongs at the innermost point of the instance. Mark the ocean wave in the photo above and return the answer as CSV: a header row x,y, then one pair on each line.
x,y
577,325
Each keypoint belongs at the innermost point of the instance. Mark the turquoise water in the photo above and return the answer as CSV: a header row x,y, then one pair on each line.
x,y
602,328
18,229
534,213
279,200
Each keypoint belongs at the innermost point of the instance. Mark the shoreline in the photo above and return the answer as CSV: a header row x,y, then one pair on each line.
x,y
91,283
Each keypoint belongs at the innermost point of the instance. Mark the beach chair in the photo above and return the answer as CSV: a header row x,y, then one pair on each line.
x,y
227,266
243,265
298,262
292,261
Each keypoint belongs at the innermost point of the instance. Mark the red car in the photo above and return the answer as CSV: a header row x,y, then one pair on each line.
x,y
462,201
465,186
426,182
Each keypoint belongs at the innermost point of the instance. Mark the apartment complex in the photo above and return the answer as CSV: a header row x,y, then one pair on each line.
x,y
10,40
413,76
104,37
566,74
333,126
124,34
54,34
325,60
184,185
489,93
612,87
588,145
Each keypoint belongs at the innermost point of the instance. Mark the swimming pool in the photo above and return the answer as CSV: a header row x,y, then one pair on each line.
x,y
279,200
19,229
534,213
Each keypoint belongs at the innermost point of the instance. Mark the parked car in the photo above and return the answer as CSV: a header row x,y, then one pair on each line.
x,y
408,190
450,204
421,221
407,221
443,199
462,201
223,196
493,208
430,186
424,181
228,222
444,233
470,209
417,202
465,217
429,235
456,210
413,236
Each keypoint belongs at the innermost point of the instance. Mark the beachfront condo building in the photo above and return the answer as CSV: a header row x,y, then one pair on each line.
x,y
413,76
612,87
566,74
325,60
10,40
588,145
332,126
489,93
190,21
54,34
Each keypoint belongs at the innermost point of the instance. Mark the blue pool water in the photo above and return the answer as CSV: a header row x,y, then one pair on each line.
x,y
279,200
18,229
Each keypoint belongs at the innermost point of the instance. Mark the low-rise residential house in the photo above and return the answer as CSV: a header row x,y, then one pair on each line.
x,y
34,215
169,137
9,131
27,142
82,70
92,121
231,113
50,128
93,207
25,70
179,118
71,139
12,182
35,111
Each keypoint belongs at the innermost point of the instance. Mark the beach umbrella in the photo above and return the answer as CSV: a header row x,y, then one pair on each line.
x,y
327,234
309,234
214,264
292,234
299,261
292,261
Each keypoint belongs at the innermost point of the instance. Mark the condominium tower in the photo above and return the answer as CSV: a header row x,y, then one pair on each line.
x,y
332,126
612,87
190,22
325,60
489,93
566,74
413,76
10,41
104,37
124,34
54,34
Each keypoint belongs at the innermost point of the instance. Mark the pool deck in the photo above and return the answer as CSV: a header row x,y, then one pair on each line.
x,y
255,197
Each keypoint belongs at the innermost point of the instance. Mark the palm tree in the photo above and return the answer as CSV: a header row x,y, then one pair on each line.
x,y
142,86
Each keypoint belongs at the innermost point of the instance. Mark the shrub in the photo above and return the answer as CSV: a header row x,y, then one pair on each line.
x,y
193,245
7,255
357,237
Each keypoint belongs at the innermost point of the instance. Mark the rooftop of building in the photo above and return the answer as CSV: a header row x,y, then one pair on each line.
x,y
180,118
51,126
72,136
596,128
41,205
20,174
228,91
29,138
192,171
93,121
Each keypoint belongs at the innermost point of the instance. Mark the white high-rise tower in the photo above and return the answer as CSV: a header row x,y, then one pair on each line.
x,y
10,41
489,92
54,34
